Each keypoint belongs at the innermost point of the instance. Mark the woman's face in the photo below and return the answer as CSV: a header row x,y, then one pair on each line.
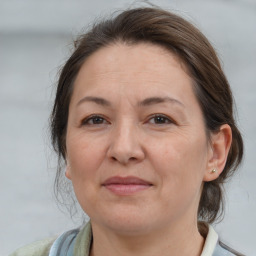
x,y
137,150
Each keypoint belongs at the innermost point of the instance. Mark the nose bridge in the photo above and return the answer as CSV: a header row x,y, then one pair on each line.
x,y
124,138
125,144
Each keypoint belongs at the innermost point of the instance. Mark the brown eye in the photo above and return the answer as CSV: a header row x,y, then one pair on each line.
x,y
94,120
160,119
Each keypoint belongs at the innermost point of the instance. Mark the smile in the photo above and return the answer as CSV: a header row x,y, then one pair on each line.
x,y
126,185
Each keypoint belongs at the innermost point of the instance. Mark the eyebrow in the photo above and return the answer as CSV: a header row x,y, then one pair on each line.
x,y
157,100
97,100
146,102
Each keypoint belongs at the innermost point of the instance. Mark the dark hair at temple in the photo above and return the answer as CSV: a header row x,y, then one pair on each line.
x,y
160,27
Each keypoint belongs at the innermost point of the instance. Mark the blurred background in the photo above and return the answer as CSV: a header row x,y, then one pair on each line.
x,y
35,39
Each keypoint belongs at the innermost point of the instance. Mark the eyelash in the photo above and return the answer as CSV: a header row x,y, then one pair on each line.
x,y
162,117
93,117
166,119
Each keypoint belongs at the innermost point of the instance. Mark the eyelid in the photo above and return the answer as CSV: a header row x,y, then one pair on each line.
x,y
170,120
90,117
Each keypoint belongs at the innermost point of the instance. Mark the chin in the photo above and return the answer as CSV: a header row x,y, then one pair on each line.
x,y
125,223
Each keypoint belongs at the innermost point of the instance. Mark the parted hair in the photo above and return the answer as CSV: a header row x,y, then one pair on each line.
x,y
157,26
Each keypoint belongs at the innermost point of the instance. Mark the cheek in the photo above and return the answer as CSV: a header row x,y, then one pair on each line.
x,y
85,157
180,161
180,166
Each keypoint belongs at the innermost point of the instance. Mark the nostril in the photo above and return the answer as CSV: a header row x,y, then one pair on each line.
x,y
123,159
113,158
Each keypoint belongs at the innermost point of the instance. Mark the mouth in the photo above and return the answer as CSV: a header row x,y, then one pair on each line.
x,y
126,185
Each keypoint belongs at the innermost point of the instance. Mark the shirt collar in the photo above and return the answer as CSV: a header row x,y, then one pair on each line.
x,y
210,242
84,239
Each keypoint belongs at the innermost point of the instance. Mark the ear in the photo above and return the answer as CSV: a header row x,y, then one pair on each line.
x,y
218,152
68,173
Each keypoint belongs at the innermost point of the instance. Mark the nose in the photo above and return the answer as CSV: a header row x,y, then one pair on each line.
x,y
125,146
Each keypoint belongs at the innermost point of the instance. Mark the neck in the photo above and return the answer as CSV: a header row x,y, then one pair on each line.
x,y
176,240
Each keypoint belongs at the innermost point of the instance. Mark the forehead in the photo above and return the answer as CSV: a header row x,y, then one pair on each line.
x,y
132,57
142,68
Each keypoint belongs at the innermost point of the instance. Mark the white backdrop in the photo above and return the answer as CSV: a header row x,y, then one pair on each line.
x,y
35,38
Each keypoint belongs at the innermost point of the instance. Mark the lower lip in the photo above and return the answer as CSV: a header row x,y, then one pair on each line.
x,y
126,189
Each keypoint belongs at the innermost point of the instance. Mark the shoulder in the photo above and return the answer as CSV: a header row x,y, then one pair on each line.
x,y
214,247
223,249
76,240
39,248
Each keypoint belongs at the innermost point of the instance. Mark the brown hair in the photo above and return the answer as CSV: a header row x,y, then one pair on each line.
x,y
157,26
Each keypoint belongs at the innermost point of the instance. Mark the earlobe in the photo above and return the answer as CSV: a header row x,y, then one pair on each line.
x,y
211,174
220,146
67,172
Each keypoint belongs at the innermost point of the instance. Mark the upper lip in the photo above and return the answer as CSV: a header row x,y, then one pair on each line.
x,y
125,181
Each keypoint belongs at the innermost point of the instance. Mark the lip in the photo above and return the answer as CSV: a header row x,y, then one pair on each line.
x,y
126,185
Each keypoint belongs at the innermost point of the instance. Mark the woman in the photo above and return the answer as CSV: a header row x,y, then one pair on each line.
x,y
143,118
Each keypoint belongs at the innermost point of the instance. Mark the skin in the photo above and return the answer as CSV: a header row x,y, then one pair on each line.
x,y
161,141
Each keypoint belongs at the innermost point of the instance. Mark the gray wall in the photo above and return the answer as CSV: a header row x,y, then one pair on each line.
x,y
35,37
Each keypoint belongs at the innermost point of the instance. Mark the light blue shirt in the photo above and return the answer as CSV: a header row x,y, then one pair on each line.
x,y
68,244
